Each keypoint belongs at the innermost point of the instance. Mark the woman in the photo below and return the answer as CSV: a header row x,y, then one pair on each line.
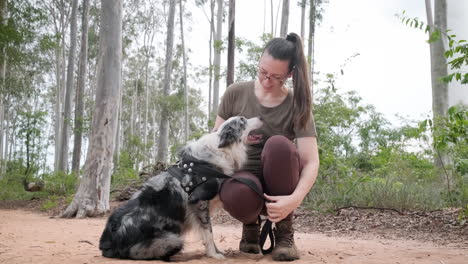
x,y
284,171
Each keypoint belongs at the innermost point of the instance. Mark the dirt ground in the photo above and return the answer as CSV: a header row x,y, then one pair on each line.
x,y
28,236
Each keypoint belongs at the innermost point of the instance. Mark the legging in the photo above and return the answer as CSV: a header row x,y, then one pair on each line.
x,y
281,171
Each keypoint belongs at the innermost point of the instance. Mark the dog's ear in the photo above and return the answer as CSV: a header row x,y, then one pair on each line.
x,y
227,136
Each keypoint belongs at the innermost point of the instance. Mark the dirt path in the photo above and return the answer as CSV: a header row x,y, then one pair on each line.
x,y
29,237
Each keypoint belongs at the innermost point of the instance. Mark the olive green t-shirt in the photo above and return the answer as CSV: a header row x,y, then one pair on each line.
x,y
240,100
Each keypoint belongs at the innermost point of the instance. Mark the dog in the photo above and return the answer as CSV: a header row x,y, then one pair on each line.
x,y
152,223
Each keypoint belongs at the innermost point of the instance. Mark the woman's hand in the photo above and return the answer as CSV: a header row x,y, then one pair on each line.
x,y
278,207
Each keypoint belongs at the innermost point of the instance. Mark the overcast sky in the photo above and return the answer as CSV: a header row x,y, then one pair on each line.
x,y
392,70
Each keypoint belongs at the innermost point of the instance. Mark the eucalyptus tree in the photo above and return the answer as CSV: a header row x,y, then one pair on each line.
x,y
92,197
231,42
164,124
64,146
284,19
79,102
218,44
3,65
186,112
438,21
58,12
303,5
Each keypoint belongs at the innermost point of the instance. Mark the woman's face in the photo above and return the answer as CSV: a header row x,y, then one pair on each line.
x,y
272,72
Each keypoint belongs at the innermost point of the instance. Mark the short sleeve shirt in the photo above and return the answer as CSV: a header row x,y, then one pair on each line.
x,y
240,100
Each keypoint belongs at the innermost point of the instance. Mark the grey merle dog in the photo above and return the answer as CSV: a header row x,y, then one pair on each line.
x,y
151,224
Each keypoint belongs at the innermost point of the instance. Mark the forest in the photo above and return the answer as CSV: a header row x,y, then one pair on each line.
x,y
93,93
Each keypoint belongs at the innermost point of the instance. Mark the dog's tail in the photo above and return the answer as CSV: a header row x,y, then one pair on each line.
x,y
162,247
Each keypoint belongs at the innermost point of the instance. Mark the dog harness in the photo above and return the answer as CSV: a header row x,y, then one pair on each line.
x,y
200,172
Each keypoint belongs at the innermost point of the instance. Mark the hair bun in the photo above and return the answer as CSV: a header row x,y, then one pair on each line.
x,y
291,37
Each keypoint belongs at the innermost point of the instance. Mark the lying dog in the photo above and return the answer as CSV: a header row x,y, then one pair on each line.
x,y
151,224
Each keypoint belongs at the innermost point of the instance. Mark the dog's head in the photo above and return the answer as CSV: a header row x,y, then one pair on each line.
x,y
236,130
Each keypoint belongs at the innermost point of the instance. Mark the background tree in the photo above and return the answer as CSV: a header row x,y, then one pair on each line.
x,y
164,125
63,159
438,22
92,197
231,42
218,45
284,18
184,81
79,98
3,66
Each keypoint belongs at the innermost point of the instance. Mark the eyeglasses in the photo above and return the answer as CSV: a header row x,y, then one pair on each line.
x,y
262,75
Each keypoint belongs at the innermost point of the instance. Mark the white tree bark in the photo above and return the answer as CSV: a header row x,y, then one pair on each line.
x,y
210,85
312,15
164,125
63,158
438,69
217,57
186,115
284,19
438,60
303,8
231,42
79,104
92,197
3,64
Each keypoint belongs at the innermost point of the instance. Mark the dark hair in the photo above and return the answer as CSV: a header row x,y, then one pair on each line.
x,y
291,49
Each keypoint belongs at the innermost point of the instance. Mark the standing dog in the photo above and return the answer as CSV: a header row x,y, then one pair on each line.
x,y
151,224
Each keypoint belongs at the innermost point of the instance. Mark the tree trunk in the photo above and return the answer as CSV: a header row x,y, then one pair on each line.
x,y
217,57
271,16
438,70
284,19
231,42
186,115
310,57
79,104
63,158
3,63
303,8
164,125
210,86
92,197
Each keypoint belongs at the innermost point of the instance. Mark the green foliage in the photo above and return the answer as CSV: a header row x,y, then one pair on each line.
x,y
124,171
250,53
60,183
457,52
366,162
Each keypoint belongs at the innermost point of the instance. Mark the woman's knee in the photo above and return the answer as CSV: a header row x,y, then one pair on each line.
x,y
281,165
239,200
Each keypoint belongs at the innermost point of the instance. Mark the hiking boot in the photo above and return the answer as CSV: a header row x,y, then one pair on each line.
x,y
285,249
250,238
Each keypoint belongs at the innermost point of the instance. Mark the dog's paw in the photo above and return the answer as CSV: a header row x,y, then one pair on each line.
x,y
216,256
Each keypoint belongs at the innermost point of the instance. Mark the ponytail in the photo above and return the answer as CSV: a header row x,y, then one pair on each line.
x,y
291,49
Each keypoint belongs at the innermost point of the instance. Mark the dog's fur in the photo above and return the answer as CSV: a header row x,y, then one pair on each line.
x,y
151,224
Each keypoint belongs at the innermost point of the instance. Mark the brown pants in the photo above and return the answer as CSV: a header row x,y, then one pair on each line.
x,y
281,171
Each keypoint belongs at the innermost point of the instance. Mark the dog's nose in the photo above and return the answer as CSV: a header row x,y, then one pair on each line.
x,y
261,119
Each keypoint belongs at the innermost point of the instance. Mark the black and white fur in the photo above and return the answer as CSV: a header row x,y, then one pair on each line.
x,y
151,224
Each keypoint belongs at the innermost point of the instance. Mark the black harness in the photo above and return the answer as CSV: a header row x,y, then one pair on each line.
x,y
200,172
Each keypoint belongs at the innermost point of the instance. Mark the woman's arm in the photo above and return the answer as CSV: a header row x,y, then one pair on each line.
x,y
282,206
217,123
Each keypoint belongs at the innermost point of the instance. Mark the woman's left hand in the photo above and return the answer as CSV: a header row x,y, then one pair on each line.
x,y
278,207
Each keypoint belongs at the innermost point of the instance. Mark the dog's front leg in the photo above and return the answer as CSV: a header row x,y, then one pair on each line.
x,y
203,214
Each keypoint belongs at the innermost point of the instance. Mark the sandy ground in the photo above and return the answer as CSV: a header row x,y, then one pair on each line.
x,y
29,237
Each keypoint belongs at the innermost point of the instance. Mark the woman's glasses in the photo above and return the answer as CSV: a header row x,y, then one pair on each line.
x,y
262,75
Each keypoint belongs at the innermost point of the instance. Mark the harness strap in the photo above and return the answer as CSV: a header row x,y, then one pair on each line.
x,y
266,230
206,171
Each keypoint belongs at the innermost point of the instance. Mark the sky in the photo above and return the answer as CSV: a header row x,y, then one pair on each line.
x,y
392,70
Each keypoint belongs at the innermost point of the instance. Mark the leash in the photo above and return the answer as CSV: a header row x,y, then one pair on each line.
x,y
196,167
